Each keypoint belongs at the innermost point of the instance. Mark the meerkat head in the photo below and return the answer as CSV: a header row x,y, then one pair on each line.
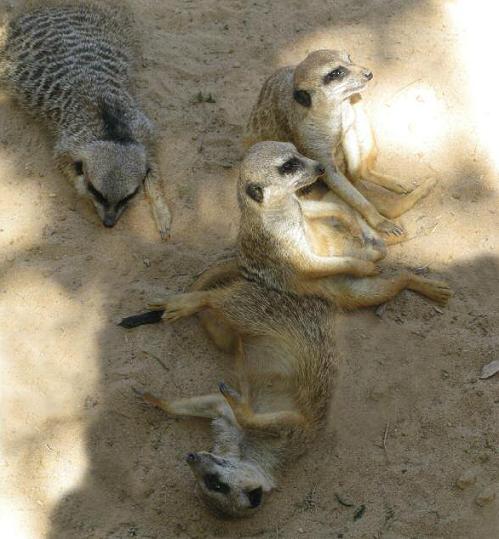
x,y
110,174
232,486
327,76
272,171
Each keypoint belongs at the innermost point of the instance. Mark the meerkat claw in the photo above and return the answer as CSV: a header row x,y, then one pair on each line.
x,y
147,397
390,228
163,222
165,234
229,393
159,305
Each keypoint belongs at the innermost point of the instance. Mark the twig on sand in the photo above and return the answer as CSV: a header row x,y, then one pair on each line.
x,y
385,436
400,90
157,359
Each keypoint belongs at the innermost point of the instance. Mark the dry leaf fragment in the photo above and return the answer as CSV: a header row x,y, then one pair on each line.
x,y
490,369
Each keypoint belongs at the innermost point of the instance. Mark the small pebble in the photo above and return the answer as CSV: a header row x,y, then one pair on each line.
x,y
467,479
486,497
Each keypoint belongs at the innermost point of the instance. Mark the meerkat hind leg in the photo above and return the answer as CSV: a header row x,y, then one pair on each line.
x,y
361,152
368,292
384,180
272,422
395,205
208,406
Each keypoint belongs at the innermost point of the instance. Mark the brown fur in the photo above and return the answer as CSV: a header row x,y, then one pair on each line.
x,y
278,298
333,128
70,66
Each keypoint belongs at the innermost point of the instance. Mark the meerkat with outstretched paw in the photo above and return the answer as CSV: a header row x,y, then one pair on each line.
x,y
70,66
274,309
316,105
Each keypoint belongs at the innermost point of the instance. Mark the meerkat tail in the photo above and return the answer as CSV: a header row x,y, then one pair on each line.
x,y
150,317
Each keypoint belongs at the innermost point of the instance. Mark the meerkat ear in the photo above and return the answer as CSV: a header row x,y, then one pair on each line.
x,y
302,97
255,192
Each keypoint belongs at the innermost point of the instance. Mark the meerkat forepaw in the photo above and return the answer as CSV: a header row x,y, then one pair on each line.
x,y
366,268
165,234
390,228
163,222
439,291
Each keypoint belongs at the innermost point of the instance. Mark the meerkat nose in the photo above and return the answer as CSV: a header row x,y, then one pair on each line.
x,y
109,222
368,75
191,457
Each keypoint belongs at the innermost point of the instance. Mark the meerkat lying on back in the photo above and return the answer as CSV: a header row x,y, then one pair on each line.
x,y
279,301
316,106
71,67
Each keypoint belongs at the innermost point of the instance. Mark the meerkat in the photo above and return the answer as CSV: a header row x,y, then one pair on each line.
x,y
317,106
70,66
276,308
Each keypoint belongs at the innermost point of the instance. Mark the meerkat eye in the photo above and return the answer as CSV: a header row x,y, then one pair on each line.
x,y
336,74
212,482
129,197
290,166
98,195
78,166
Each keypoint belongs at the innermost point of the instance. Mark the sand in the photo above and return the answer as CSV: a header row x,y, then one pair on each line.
x,y
81,458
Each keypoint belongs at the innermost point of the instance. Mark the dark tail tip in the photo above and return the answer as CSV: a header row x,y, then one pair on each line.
x,y
151,317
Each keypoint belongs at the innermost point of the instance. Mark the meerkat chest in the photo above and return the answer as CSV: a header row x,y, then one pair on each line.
x,y
324,129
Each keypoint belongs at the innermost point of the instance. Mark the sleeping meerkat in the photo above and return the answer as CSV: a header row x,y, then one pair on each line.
x,y
274,309
70,66
317,106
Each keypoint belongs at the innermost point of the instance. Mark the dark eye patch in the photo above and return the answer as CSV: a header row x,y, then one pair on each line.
x,y
255,497
255,192
78,166
336,74
290,166
212,482
98,195
129,197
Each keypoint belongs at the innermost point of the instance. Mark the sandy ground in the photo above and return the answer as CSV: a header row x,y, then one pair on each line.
x,y
81,458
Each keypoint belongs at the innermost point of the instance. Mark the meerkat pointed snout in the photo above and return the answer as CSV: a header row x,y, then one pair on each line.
x,y
328,75
271,170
